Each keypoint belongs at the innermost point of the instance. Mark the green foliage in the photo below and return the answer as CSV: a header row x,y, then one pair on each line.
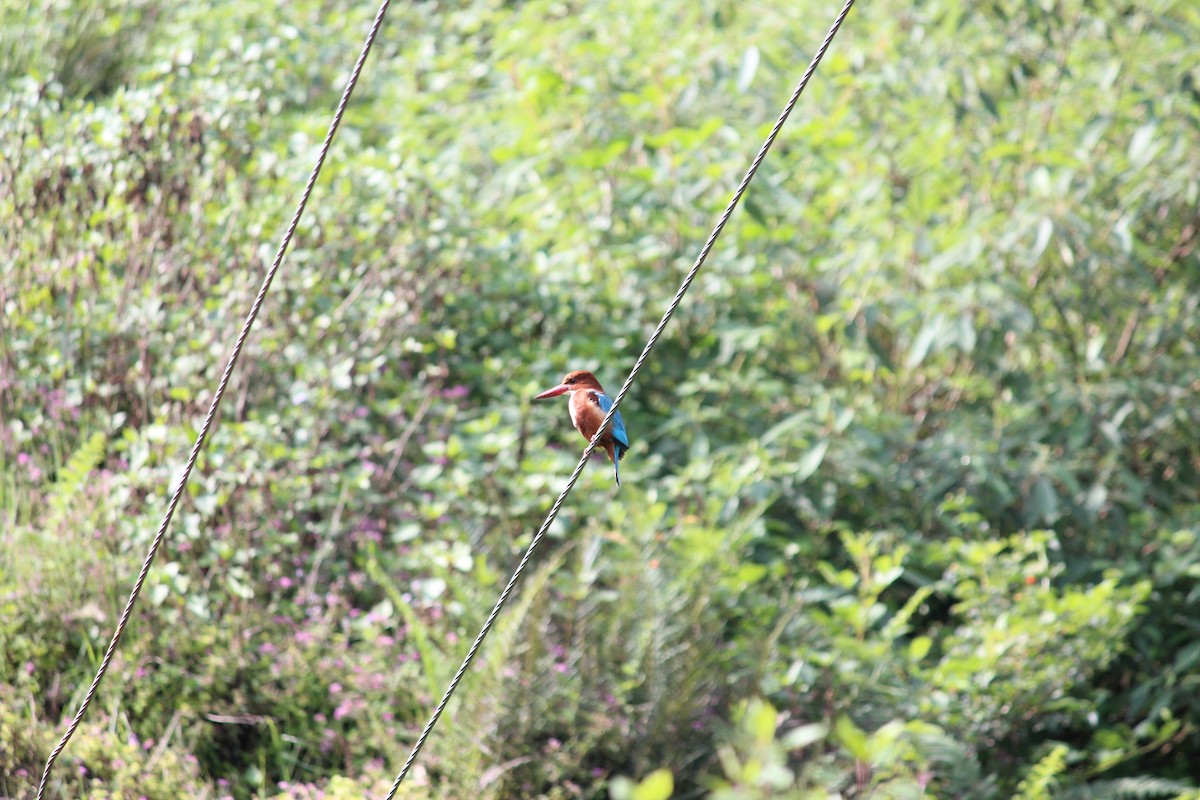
x,y
818,760
912,507
110,761
1039,783
658,785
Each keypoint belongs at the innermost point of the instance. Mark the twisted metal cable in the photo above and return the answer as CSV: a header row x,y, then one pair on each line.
x,y
216,401
587,453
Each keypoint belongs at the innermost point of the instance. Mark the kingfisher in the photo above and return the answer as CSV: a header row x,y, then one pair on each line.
x,y
588,405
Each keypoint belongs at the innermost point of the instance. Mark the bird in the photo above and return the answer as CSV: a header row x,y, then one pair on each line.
x,y
588,404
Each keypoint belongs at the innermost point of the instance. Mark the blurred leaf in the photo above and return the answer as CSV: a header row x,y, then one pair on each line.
x,y
811,460
748,68
658,785
852,738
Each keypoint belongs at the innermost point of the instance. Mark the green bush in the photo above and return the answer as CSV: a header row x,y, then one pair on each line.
x,y
109,759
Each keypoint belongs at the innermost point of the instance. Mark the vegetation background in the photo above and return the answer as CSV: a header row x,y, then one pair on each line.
x,y
913,507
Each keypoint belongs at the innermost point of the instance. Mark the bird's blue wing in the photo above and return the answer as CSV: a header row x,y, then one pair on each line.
x,y
618,424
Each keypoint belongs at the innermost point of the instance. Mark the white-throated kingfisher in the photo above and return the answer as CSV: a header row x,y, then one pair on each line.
x,y
588,405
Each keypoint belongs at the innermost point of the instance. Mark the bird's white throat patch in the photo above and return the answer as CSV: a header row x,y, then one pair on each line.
x,y
571,408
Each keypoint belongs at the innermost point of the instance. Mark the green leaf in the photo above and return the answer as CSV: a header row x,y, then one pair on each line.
x,y
761,721
1140,143
804,736
811,460
748,68
1045,231
919,647
851,737
924,341
658,785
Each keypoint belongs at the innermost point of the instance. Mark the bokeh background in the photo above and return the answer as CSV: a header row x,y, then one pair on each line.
x,y
912,506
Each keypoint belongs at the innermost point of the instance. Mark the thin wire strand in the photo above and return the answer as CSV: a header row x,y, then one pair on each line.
x,y
587,453
216,401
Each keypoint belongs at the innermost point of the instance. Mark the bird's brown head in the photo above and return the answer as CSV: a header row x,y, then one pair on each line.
x,y
573,381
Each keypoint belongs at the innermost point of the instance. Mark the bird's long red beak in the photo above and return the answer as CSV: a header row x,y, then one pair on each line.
x,y
562,388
